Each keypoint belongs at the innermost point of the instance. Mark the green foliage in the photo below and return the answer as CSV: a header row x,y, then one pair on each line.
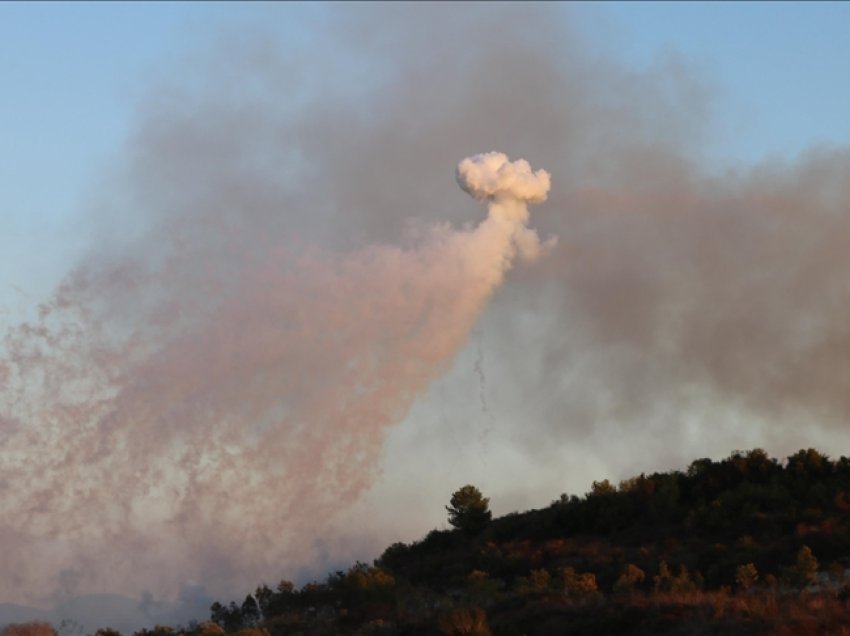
x,y
469,510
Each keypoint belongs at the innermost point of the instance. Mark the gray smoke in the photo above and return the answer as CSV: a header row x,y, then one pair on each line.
x,y
281,266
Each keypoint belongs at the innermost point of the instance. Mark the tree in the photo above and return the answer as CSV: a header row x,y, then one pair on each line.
x,y
265,597
806,567
602,488
578,585
158,630
629,579
481,587
746,576
808,463
250,612
537,582
471,621
229,617
663,582
469,510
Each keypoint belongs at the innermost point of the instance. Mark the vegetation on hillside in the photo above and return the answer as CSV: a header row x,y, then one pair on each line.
x,y
746,545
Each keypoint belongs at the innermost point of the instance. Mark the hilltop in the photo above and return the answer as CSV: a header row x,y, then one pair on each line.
x,y
745,545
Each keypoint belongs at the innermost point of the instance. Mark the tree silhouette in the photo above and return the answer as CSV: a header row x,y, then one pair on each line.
x,y
250,612
469,510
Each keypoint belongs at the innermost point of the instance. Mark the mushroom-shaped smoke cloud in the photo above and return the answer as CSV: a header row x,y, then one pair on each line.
x,y
491,175
508,186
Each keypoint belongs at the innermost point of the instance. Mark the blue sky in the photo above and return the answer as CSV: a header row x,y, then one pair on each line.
x,y
779,68
72,74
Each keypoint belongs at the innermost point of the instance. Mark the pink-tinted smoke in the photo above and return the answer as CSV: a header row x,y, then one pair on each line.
x,y
221,436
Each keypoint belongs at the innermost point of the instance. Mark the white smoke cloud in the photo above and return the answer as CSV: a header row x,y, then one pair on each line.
x,y
491,175
508,187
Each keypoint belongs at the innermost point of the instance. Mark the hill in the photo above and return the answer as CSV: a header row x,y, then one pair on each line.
x,y
745,545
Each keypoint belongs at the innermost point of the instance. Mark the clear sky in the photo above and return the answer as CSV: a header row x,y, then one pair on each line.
x,y
292,166
778,67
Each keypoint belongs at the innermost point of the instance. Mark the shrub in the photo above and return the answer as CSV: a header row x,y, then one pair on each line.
x,y
746,576
464,621
578,585
629,579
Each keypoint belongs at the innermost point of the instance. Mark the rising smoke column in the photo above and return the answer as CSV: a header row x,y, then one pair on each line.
x,y
693,311
211,441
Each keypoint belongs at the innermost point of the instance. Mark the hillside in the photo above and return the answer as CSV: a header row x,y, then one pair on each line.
x,y
746,545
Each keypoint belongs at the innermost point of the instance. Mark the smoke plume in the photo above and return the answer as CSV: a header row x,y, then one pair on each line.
x,y
278,271
247,421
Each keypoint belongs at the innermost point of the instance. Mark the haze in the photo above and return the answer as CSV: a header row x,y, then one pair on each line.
x,y
264,332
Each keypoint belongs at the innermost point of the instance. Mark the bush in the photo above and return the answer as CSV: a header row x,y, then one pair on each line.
x,y
464,621
578,585
746,576
631,577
